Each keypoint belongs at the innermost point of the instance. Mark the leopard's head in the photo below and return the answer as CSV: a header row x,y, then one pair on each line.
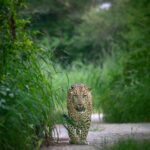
x,y
80,97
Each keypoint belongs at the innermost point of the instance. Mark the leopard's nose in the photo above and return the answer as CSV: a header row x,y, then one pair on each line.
x,y
80,104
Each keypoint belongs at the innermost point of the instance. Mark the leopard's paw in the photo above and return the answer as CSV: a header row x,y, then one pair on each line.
x,y
84,142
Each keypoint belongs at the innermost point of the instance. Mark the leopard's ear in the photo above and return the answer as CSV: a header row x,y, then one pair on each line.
x,y
89,89
70,90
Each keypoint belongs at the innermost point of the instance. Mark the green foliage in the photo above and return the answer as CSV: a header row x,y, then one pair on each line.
x,y
95,36
56,6
128,99
27,115
57,20
26,96
130,144
136,67
100,32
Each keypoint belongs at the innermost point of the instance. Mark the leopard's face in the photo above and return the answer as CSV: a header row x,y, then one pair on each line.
x,y
79,101
80,97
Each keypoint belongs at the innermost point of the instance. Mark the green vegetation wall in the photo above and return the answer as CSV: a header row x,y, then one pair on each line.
x,y
127,100
26,99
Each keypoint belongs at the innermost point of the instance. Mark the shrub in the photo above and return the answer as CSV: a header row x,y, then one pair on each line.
x,y
128,99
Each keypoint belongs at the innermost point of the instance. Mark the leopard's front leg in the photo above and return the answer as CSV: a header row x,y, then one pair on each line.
x,y
72,131
83,132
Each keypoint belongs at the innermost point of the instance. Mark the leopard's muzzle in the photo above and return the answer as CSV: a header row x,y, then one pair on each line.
x,y
80,108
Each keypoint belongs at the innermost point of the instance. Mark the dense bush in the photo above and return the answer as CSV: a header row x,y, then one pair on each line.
x,y
26,96
26,107
128,98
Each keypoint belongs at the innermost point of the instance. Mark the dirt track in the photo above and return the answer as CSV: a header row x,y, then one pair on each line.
x,y
101,134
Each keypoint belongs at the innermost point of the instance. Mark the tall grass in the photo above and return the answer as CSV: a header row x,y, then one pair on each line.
x,y
119,86
27,106
76,73
98,78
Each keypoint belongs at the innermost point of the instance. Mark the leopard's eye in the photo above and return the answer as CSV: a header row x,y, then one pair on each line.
x,y
84,96
75,96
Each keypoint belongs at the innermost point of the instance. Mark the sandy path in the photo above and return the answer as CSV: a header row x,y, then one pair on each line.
x,y
101,134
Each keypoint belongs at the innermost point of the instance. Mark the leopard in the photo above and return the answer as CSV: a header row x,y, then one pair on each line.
x,y
79,105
